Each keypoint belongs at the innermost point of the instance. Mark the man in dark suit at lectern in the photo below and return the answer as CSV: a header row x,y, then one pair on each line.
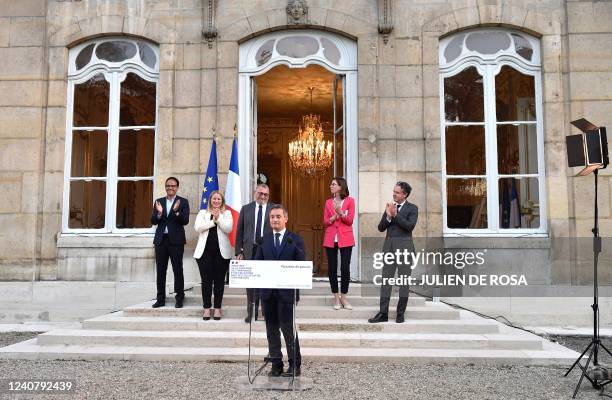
x,y
170,214
277,304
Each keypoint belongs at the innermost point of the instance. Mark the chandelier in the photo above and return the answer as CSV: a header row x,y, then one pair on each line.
x,y
309,153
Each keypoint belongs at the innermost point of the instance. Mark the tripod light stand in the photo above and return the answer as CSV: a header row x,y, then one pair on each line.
x,y
590,150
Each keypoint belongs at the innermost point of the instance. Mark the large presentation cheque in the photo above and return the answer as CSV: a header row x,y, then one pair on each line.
x,y
270,274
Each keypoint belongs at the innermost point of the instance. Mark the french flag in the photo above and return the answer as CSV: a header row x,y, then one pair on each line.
x,y
232,193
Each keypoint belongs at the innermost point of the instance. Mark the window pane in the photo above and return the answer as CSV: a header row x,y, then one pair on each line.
x,y
136,152
137,101
87,204
147,55
264,53
134,199
466,203
89,150
454,48
522,46
517,149
91,102
463,97
115,51
515,95
488,42
519,203
297,46
84,56
330,51
465,150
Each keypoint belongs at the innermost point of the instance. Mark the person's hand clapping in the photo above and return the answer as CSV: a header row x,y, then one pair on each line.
x,y
158,207
176,206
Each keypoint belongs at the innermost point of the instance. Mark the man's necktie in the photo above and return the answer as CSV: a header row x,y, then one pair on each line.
x,y
277,240
258,225
398,207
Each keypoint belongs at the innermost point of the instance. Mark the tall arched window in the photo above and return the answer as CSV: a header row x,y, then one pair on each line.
x,y
110,140
492,138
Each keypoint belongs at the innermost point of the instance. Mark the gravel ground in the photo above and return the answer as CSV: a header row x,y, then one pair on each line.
x,y
197,380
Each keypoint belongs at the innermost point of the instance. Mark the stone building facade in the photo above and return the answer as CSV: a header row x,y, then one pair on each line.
x,y
401,128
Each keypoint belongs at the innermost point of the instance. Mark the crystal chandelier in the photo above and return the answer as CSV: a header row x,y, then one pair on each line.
x,y
309,153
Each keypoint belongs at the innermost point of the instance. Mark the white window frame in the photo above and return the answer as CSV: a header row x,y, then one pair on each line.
x,y
488,66
115,74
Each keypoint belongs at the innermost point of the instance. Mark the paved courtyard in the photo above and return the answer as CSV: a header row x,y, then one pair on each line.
x,y
196,380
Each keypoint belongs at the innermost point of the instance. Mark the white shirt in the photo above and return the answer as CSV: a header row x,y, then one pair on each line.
x,y
345,214
396,204
168,208
263,220
282,234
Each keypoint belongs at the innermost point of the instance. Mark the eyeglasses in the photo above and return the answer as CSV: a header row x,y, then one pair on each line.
x,y
170,186
263,194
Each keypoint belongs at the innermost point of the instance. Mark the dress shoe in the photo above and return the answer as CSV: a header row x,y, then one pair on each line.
x,y
289,372
179,303
400,318
380,317
206,317
248,319
276,371
158,304
215,316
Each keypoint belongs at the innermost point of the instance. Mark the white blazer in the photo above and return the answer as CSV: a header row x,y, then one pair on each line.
x,y
225,223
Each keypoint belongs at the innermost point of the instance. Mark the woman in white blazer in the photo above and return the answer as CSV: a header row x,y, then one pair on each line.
x,y
213,251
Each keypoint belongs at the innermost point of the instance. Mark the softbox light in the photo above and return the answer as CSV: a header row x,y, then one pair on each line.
x,y
588,149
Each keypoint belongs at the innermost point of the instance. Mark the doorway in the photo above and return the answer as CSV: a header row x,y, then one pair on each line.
x,y
281,65
284,95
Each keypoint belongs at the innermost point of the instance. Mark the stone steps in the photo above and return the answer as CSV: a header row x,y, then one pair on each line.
x,y
307,339
432,333
118,321
551,354
318,288
305,300
364,312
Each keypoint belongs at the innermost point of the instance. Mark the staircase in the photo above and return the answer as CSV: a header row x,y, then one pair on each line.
x,y
432,333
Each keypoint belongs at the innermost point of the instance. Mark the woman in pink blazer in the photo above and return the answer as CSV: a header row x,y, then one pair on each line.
x,y
338,218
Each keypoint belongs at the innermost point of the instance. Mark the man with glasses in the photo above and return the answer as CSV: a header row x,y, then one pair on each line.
x,y
398,220
170,214
253,224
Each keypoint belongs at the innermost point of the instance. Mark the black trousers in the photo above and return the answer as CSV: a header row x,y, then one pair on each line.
x,y
212,268
163,252
388,271
345,267
279,318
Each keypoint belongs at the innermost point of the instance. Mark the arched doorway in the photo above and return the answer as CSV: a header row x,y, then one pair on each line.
x,y
267,119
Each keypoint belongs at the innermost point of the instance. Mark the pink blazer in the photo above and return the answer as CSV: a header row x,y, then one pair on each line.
x,y
343,226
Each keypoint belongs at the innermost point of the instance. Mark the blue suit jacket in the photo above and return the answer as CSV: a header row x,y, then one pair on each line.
x,y
291,248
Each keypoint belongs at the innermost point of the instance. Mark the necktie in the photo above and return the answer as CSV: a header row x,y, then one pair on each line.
x,y
277,240
258,225
398,207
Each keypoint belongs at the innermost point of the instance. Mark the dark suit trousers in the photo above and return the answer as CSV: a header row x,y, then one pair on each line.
x,y
163,252
212,268
279,318
388,271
